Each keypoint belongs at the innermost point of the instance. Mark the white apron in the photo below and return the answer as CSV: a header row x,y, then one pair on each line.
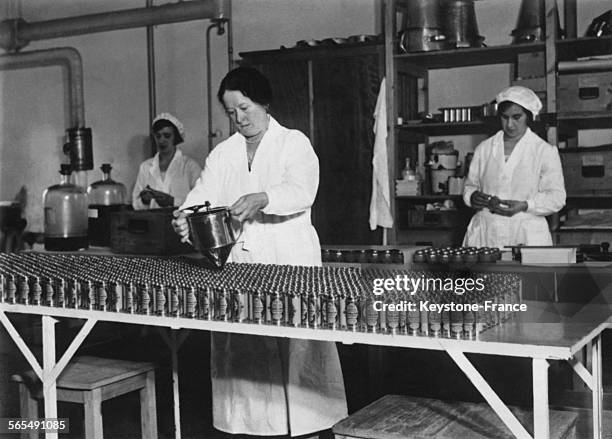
x,y
263,385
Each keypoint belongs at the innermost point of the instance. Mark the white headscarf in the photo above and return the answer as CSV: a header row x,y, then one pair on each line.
x,y
522,96
173,120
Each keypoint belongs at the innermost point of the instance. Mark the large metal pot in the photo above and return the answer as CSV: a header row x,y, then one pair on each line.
x,y
423,13
423,39
211,233
460,24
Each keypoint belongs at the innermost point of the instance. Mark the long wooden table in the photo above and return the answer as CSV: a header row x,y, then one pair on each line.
x,y
563,339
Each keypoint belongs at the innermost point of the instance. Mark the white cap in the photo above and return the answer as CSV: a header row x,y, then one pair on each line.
x,y
523,96
173,120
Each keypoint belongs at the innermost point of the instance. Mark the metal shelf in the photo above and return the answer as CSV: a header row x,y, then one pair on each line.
x,y
571,49
468,57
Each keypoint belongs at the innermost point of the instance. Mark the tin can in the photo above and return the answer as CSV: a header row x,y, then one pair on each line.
x,y
222,305
258,307
331,311
276,308
128,298
240,306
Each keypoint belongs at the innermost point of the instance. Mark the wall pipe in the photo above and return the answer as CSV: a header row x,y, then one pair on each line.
x,y
67,57
220,26
17,33
151,70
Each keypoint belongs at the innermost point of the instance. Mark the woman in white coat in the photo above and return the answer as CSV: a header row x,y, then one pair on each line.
x,y
269,175
165,179
515,179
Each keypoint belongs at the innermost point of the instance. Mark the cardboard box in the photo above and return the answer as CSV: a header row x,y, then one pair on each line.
x,y
584,92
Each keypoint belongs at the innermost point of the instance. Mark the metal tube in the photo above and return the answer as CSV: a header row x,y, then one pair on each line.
x,y
67,57
219,24
151,69
18,33
209,96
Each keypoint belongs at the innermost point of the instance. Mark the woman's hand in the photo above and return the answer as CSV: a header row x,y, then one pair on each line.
x,y
180,226
480,200
146,196
163,199
247,206
510,207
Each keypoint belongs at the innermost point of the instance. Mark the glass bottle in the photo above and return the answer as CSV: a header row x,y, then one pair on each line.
x,y
65,206
105,197
407,172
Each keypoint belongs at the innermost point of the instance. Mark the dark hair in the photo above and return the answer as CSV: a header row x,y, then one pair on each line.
x,y
250,82
504,105
163,123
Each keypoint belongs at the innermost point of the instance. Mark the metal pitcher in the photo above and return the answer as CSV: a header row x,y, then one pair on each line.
x,y
211,233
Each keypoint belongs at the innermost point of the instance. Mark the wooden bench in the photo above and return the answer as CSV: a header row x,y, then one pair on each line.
x,y
91,380
404,417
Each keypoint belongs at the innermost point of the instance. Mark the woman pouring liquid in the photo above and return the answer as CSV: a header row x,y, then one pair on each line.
x,y
515,179
268,175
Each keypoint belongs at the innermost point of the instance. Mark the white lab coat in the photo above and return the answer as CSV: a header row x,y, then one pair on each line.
x,y
533,173
181,176
263,385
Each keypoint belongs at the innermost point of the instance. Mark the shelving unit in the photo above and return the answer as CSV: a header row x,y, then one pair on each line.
x,y
403,70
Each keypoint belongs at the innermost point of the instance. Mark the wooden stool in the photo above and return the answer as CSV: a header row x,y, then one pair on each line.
x,y
404,417
91,380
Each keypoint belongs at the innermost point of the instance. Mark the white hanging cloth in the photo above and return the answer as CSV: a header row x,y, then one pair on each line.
x,y
380,205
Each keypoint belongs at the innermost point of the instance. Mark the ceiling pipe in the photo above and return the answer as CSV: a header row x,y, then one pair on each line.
x,y
66,57
17,33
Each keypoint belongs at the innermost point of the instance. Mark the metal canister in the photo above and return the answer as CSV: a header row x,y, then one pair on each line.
x,y
257,307
128,298
191,303
276,308
352,312
331,310
222,305
240,306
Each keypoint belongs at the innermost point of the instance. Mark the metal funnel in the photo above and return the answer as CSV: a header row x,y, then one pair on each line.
x,y
531,24
215,258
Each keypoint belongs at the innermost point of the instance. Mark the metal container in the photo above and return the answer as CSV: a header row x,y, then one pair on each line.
x,y
79,148
65,207
105,197
423,39
423,13
460,24
211,233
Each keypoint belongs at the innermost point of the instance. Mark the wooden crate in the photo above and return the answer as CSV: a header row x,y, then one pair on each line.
x,y
587,170
405,417
147,232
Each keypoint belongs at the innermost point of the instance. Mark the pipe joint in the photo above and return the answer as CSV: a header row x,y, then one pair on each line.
x,y
9,35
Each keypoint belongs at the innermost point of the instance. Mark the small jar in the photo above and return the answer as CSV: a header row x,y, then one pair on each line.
x,y
419,256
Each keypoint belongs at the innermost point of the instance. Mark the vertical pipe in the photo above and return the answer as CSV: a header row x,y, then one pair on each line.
x,y
209,96
151,69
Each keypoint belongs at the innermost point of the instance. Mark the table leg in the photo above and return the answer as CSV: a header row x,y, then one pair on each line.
x,y
498,406
541,422
49,387
597,388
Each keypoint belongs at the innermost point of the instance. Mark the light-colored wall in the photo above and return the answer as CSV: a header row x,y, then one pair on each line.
x,y
33,114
